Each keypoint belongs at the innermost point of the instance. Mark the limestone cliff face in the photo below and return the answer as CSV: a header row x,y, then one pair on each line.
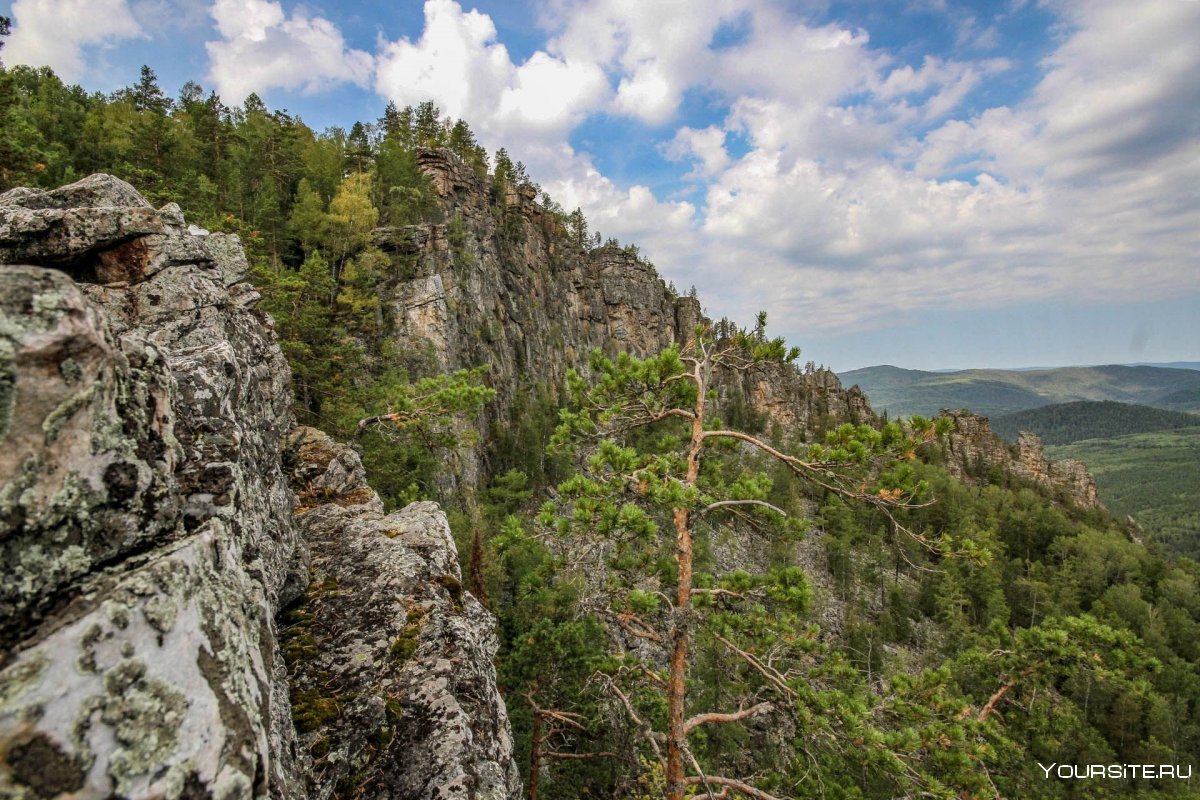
x,y
146,533
509,290
972,447
512,294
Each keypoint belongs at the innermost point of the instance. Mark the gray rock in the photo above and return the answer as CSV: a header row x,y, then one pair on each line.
x,y
390,659
147,543
972,449
513,295
145,530
88,450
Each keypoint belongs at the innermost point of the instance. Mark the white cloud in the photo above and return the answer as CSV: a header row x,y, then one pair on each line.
x,y
458,64
843,188
851,212
706,146
1121,91
262,48
655,50
54,33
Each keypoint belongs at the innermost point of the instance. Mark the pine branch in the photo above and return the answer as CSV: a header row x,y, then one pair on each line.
x,y
736,785
772,675
642,726
715,718
725,503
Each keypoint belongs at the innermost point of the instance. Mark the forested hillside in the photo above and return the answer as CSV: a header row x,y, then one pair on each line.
x,y
1146,461
1064,423
857,622
1151,477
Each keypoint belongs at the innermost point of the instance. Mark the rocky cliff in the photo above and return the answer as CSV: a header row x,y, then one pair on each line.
x,y
200,601
148,543
972,449
501,284
390,659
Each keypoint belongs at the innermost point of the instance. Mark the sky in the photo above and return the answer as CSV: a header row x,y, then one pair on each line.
x,y
925,183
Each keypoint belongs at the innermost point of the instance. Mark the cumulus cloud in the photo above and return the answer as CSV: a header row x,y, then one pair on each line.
x,y
840,185
706,146
262,48
1121,92
655,51
458,63
855,213
54,33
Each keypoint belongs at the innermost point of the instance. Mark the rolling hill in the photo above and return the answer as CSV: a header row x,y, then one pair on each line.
x,y
1063,423
995,392
1150,476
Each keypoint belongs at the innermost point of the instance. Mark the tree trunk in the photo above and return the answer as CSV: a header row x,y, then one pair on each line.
x,y
535,755
677,674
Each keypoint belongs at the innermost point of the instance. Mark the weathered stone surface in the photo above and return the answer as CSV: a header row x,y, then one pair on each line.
x,y
515,295
1070,474
92,228
87,445
390,659
147,543
973,449
144,517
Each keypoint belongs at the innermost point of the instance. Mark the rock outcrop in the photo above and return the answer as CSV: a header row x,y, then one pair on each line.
x,y
390,659
501,283
143,546
1069,473
147,539
972,449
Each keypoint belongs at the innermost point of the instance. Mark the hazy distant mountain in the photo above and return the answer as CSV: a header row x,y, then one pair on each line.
x,y
1063,423
1169,364
994,392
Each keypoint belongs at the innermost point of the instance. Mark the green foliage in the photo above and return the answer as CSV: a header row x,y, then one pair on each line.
x,y
305,205
1151,477
1064,423
1093,638
658,474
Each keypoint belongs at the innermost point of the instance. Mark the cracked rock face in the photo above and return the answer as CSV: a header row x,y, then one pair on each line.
x,y
148,545
144,523
516,295
390,659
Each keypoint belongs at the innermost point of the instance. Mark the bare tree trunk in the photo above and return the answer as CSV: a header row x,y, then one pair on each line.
x,y
535,755
677,674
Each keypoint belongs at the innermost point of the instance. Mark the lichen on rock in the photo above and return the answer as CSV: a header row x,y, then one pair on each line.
x,y
148,544
144,525
390,661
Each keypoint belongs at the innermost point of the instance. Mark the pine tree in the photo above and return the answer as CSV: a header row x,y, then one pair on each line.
x,y
147,95
428,129
358,155
5,30
577,228
653,443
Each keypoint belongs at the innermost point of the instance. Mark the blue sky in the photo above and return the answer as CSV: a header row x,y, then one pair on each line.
x,y
926,183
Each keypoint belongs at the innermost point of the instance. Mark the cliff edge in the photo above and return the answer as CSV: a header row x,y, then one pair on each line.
x,y
147,537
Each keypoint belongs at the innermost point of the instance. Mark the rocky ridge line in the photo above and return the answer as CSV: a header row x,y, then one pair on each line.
x,y
500,283
972,447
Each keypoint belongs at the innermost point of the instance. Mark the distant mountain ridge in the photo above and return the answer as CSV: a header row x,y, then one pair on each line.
x,y
995,392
